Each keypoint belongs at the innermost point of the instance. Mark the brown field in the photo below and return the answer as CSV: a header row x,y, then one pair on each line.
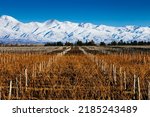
x,y
74,73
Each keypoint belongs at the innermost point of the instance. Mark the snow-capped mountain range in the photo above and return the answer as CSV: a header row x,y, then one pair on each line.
x,y
13,31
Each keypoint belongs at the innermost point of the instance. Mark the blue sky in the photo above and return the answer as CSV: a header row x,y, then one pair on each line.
x,y
108,12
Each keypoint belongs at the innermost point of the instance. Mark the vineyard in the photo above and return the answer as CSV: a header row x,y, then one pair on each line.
x,y
74,73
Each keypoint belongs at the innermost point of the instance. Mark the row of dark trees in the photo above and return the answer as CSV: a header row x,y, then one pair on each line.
x,y
92,43
78,43
129,43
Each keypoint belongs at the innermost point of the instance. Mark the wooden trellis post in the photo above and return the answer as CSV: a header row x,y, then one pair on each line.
x,y
139,88
102,65
0,93
137,92
144,60
10,90
26,78
121,79
148,90
34,70
125,82
40,67
17,88
114,74
20,84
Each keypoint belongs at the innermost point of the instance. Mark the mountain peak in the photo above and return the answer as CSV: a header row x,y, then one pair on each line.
x,y
53,21
8,18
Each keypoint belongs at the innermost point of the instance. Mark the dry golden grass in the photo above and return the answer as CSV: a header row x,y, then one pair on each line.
x,y
74,76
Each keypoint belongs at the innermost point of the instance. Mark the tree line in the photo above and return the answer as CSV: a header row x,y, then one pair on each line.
x,y
80,43
92,43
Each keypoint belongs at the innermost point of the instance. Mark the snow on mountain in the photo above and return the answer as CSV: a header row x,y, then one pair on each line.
x,y
13,31
9,18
